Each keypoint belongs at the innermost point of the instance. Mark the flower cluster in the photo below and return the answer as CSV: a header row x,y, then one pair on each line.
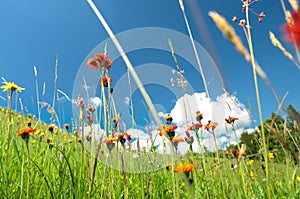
x,y
100,61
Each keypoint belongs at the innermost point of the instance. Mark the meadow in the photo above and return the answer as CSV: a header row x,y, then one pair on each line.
x,y
54,160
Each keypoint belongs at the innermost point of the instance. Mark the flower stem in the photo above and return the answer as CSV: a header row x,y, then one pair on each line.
x,y
258,102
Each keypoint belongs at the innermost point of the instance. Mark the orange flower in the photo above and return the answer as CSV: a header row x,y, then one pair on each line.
x,y
26,131
211,125
177,139
231,120
195,127
167,129
199,116
28,123
168,166
99,61
121,135
90,108
50,127
79,140
104,81
226,152
184,168
110,140
66,126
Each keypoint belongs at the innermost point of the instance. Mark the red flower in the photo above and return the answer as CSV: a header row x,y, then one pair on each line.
x,y
231,119
99,61
104,81
292,29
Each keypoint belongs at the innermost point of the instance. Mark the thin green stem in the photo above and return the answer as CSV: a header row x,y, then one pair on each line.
x,y
258,102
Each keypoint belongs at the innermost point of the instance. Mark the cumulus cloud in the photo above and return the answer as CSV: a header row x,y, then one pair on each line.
x,y
96,101
217,110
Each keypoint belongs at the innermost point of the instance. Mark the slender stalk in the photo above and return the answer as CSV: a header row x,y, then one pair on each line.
x,y
29,173
9,123
258,101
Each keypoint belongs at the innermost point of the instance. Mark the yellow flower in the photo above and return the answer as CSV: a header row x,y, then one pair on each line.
x,y
271,155
11,86
298,178
250,162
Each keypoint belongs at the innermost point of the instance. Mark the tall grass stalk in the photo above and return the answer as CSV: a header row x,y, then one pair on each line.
x,y
258,100
127,62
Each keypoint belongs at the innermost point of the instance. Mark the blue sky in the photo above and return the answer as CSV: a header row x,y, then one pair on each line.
x,y
34,32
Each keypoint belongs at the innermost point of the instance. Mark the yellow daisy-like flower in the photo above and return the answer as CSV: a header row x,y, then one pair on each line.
x,y
298,178
271,155
250,162
11,86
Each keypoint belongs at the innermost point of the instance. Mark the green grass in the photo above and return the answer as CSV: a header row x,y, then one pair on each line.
x,y
50,177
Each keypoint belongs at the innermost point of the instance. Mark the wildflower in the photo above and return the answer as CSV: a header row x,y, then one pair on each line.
x,y
176,140
189,139
79,140
121,138
168,166
261,16
88,137
11,86
66,126
104,61
99,61
185,168
231,120
226,153
110,142
271,155
24,133
292,29
250,162
298,178
195,127
91,109
234,19
169,130
90,119
49,140
242,22
28,123
199,116
234,152
50,128
210,125
80,101
104,81
169,119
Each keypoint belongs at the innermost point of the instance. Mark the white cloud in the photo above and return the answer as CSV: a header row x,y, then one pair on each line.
x,y
96,101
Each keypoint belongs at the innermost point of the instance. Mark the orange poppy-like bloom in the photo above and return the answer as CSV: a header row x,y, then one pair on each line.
x,y
184,168
210,125
50,127
231,120
66,126
104,81
90,108
177,139
99,61
28,123
292,29
110,140
168,166
167,129
195,127
26,131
